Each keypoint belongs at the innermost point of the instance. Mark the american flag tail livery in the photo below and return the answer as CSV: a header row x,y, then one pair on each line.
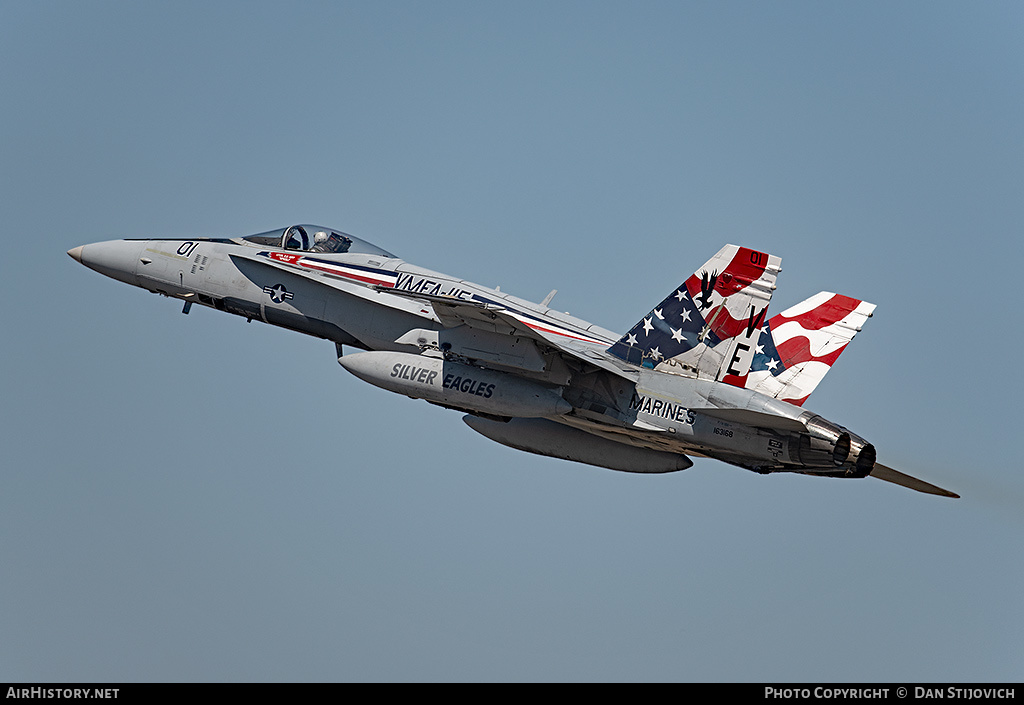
x,y
707,327
798,346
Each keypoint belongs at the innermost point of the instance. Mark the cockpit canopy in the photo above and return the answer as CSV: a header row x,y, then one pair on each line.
x,y
314,238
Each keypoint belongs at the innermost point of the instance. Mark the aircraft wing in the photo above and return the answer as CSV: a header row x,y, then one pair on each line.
x,y
498,319
455,312
889,475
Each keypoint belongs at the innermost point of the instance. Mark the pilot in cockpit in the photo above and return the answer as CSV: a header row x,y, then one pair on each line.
x,y
327,241
332,242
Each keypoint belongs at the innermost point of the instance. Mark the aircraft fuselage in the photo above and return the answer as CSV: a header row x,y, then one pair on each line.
x,y
504,360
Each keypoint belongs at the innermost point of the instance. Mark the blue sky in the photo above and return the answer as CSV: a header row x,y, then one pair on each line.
x,y
195,498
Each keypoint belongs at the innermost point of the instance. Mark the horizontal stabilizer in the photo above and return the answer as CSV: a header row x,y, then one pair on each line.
x,y
889,475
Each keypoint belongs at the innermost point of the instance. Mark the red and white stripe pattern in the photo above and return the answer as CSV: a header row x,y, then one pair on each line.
x,y
378,277
553,328
358,273
801,344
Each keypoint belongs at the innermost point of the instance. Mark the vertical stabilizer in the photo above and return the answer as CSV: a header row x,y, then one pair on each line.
x,y
709,326
798,346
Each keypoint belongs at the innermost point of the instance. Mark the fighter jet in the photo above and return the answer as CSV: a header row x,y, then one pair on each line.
x,y
705,373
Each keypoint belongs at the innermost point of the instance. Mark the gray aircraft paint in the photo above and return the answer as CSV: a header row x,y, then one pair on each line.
x,y
464,346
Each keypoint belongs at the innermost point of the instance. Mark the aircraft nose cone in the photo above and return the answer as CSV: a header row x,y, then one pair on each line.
x,y
116,258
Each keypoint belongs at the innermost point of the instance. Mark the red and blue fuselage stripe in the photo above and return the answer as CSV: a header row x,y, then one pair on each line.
x,y
383,278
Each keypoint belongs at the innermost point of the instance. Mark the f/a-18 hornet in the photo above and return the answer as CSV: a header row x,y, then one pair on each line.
x,y
704,373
